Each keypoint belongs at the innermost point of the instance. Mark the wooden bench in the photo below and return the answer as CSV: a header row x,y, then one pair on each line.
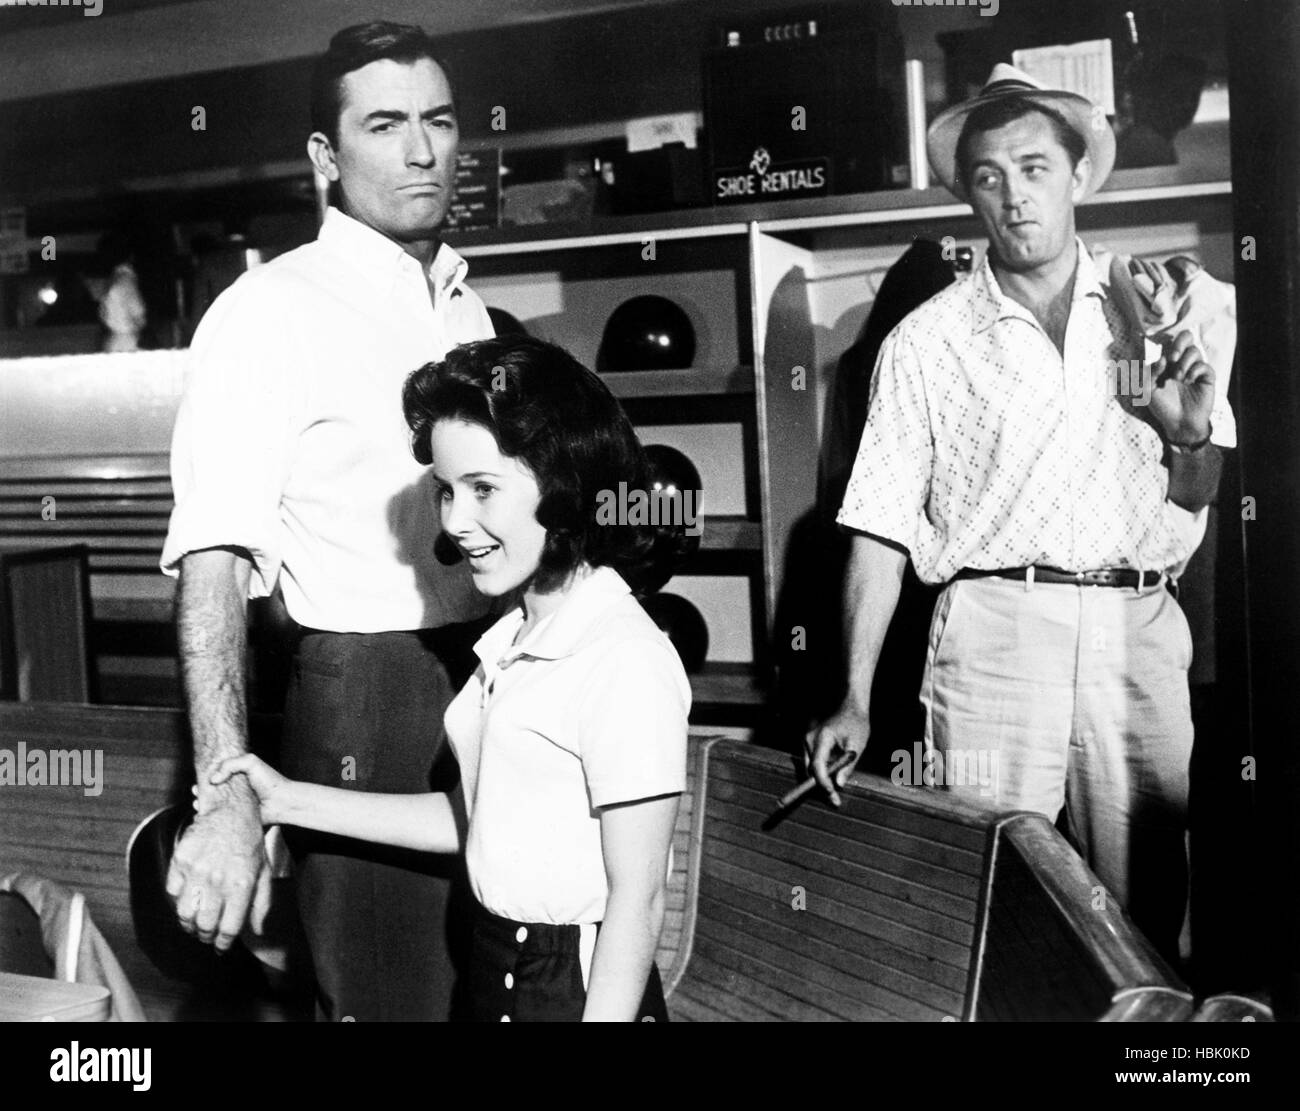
x,y
37,999
905,905
1230,1007
80,839
45,652
117,506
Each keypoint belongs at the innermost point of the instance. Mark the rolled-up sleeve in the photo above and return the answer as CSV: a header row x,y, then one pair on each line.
x,y
235,433
890,482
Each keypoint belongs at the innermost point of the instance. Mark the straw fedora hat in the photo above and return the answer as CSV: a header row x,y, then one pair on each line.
x,y
1088,119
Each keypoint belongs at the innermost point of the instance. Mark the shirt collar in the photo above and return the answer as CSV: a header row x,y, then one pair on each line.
x,y
383,260
990,304
560,634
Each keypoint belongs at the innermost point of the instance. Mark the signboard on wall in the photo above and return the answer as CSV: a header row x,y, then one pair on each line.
x,y
765,180
802,119
477,203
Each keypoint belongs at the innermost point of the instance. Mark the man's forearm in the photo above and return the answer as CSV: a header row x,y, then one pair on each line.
x,y
1194,477
871,589
218,870
211,626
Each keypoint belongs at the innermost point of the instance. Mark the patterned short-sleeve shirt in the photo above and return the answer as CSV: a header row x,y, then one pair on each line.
x,y
986,447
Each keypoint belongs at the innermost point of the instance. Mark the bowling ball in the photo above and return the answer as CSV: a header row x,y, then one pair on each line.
x,y
683,624
506,324
273,958
671,471
174,952
647,333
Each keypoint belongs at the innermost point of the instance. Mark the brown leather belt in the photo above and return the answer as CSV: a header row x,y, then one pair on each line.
x,y
1126,577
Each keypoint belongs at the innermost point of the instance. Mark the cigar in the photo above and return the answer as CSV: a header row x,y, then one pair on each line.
x,y
795,794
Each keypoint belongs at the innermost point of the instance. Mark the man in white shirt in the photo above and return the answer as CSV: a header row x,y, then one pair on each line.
x,y
1014,455
291,464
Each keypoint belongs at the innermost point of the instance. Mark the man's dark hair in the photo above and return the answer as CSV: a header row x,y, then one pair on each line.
x,y
1004,110
357,46
557,418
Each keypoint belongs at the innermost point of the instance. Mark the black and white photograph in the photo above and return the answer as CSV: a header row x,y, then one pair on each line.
x,y
650,511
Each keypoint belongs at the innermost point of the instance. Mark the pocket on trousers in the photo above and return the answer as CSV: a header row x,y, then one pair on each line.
x,y
319,660
1179,617
941,624
320,727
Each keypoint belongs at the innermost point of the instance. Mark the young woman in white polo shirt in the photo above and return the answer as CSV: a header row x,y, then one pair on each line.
x,y
571,735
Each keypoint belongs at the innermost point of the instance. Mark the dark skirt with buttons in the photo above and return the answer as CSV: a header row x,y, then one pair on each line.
x,y
532,972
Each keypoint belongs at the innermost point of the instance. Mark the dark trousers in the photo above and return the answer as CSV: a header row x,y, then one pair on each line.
x,y
532,972
364,712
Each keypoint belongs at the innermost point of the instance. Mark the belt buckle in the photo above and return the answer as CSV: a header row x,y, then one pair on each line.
x,y
1080,577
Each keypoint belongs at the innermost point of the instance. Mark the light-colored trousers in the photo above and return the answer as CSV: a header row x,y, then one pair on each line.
x,y
1076,698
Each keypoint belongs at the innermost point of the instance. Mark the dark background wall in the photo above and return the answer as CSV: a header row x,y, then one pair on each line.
x,y
561,73
564,73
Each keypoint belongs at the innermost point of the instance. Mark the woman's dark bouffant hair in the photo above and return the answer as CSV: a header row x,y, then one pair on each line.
x,y
547,410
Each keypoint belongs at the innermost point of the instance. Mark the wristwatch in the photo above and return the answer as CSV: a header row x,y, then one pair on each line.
x,y
1190,449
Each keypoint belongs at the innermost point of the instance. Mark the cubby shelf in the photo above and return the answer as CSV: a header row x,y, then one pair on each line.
x,y
777,288
726,684
731,534
693,382
897,206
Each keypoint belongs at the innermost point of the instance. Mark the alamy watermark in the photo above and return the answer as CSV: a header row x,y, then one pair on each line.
x,y
986,7
88,7
99,1065
38,767
957,767
1130,378
657,507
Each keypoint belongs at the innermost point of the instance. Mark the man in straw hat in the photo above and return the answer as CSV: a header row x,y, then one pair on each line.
x,y
1023,448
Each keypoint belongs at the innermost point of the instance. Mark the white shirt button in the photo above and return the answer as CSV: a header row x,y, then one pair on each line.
x,y
521,934
510,980
505,1018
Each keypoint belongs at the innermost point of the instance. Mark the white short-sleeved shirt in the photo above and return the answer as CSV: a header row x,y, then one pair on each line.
x,y
291,442
589,711
987,448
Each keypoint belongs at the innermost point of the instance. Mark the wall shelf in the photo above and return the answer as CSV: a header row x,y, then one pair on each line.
x,y
731,534
721,684
695,382
771,290
897,206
